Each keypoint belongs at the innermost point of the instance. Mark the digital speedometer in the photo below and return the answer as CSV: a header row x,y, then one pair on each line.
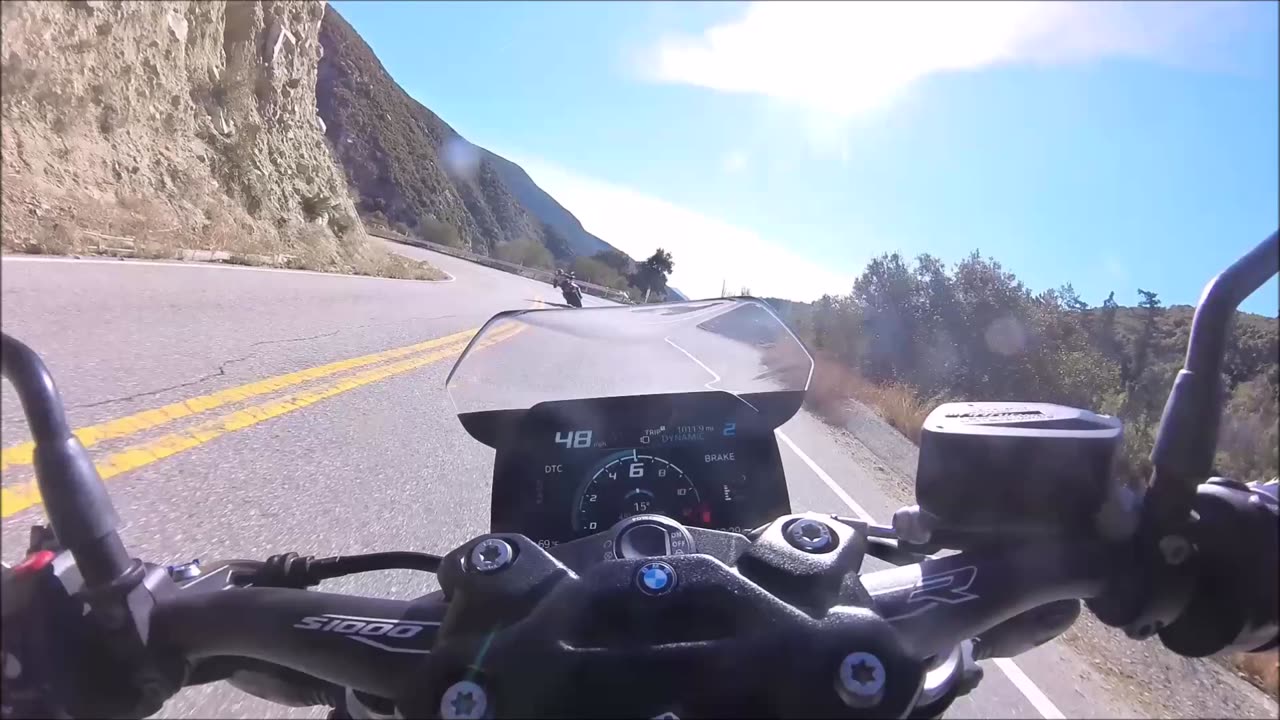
x,y
630,483
574,468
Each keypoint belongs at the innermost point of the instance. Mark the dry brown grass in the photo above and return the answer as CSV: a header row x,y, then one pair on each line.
x,y
1261,669
40,221
834,384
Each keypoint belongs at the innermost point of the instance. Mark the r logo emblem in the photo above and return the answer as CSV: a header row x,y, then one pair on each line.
x,y
949,587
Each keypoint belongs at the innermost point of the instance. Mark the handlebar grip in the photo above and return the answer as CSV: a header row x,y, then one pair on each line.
x,y
79,509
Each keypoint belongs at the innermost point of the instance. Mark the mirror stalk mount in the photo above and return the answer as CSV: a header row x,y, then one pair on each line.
x,y
1143,603
1187,439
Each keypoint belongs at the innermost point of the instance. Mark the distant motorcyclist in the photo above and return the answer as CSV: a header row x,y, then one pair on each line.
x,y
567,281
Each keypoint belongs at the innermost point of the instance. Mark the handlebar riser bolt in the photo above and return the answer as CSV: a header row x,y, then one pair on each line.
x,y
1175,549
861,680
462,701
810,535
491,554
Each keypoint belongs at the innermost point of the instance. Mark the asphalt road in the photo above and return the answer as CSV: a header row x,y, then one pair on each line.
x,y
337,451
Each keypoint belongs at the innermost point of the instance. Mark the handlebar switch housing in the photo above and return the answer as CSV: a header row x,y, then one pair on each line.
x,y
1236,540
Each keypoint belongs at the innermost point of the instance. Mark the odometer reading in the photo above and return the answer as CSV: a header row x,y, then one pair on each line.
x,y
629,483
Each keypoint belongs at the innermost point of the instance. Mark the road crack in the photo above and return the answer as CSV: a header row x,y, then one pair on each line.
x,y
220,372
291,340
222,367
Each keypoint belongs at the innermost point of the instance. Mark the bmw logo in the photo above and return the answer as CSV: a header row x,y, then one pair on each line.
x,y
655,578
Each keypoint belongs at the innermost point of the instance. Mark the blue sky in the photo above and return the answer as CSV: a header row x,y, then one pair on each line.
x,y
779,146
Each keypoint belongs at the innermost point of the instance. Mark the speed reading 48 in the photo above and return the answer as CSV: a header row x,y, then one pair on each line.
x,y
574,439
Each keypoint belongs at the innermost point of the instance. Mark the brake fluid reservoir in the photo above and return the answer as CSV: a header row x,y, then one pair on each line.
x,y
1015,465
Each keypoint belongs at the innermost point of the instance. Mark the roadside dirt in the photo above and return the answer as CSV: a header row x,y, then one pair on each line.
x,y
1149,679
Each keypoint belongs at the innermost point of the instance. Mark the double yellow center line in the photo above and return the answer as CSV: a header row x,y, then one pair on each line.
x,y
26,494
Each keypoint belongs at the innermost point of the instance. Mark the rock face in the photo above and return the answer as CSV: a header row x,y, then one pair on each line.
x,y
204,110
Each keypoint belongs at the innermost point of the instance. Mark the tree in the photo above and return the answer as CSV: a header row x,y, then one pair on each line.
x,y
991,311
651,276
1151,304
594,271
889,295
556,243
1071,299
660,261
432,230
822,312
528,253
616,259
1105,332
923,334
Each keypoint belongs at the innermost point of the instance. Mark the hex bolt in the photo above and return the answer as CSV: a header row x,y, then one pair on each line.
x,y
1175,549
860,681
463,700
491,554
810,535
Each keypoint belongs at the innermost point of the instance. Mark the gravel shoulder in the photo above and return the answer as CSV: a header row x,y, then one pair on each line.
x,y
1142,678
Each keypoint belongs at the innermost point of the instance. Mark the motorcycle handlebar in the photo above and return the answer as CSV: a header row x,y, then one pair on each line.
x,y
940,602
374,645
366,644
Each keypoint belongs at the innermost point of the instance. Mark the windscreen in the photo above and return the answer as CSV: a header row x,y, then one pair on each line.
x,y
522,358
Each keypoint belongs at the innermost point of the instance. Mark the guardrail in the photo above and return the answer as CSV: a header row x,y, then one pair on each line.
x,y
539,274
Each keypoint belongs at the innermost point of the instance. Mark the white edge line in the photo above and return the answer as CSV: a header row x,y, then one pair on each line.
x,y
1033,694
699,362
202,264
1024,684
857,509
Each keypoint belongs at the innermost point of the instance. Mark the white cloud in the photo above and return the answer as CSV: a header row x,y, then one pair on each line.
x,y
707,251
735,161
844,59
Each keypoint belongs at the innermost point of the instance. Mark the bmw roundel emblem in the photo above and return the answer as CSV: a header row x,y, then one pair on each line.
x,y
656,578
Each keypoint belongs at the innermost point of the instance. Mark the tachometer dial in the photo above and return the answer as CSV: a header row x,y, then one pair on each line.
x,y
629,484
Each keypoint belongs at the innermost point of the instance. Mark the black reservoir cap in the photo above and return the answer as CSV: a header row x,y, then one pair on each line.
x,y
1012,465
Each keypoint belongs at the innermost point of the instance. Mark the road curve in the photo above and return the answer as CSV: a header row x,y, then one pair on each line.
x,y
324,429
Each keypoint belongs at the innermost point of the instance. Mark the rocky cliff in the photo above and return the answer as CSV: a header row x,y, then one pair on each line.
x,y
188,124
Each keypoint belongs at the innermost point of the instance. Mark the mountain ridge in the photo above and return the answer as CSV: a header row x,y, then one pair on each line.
x,y
406,166
545,207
